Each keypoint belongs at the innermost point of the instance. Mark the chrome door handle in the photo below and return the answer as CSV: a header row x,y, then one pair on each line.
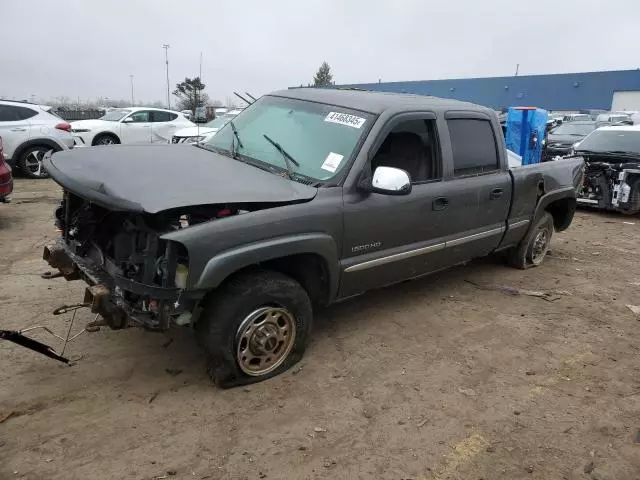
x,y
18,129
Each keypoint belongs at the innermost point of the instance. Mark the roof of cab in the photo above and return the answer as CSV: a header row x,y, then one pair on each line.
x,y
376,102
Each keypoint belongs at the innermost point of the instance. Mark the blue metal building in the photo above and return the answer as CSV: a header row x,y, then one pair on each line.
x,y
613,90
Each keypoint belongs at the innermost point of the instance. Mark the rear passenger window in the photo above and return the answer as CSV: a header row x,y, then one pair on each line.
x,y
12,113
474,146
163,116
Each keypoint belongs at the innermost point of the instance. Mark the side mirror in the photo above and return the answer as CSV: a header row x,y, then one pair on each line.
x,y
127,120
391,181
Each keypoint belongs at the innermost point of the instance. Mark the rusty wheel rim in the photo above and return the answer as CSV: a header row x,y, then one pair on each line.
x,y
264,340
540,246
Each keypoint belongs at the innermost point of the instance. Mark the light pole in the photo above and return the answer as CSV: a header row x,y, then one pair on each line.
x,y
166,47
133,102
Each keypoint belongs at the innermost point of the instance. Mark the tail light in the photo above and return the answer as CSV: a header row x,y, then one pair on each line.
x,y
64,126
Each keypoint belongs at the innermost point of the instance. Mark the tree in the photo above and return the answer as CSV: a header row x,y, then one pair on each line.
x,y
190,95
323,76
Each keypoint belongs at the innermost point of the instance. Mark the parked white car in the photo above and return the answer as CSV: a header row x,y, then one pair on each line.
x,y
29,132
576,117
201,133
613,118
129,126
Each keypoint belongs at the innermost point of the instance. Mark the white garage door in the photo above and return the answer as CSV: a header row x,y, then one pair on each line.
x,y
626,101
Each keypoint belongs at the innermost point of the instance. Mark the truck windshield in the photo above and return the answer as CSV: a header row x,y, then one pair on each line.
x,y
612,141
321,138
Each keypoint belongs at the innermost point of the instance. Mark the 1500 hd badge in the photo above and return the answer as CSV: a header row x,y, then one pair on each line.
x,y
365,247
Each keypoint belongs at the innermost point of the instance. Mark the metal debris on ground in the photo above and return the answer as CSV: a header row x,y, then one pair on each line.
x,y
549,296
319,430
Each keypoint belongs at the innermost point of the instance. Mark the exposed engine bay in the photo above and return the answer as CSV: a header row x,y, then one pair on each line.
x,y
134,273
611,185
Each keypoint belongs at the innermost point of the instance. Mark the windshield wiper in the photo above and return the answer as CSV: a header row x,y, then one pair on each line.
x,y
285,155
236,136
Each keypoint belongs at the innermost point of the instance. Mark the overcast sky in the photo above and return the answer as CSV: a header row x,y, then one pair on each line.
x,y
88,48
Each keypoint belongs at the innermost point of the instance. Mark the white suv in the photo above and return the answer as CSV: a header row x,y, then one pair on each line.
x,y
128,126
29,132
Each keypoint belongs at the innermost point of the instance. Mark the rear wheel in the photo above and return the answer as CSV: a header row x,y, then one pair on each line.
x,y
105,139
254,327
530,252
30,161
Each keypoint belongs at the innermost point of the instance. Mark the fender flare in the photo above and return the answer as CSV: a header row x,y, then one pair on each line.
x,y
553,196
34,143
224,264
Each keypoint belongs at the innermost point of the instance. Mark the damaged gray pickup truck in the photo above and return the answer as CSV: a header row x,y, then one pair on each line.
x,y
308,197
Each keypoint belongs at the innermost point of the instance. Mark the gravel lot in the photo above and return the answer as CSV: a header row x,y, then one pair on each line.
x,y
431,379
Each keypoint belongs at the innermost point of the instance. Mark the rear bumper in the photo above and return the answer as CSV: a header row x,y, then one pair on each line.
x,y
6,183
106,293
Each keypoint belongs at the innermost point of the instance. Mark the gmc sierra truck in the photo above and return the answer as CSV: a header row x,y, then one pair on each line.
x,y
308,197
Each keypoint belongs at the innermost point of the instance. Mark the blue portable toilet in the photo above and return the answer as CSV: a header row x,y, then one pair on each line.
x,y
526,128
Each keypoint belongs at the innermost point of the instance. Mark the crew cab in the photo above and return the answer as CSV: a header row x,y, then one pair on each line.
x,y
308,197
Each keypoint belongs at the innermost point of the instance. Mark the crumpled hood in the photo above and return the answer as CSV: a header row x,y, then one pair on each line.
x,y
194,131
89,124
153,178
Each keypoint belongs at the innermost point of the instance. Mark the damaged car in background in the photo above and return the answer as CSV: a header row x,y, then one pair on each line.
x,y
308,197
612,176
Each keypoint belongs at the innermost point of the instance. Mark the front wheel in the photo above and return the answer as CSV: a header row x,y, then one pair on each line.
x,y
530,252
255,327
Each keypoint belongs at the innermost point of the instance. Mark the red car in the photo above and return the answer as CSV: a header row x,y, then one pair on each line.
x,y
6,179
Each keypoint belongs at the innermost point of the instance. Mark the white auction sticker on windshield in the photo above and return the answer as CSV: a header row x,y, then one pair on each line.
x,y
345,119
332,162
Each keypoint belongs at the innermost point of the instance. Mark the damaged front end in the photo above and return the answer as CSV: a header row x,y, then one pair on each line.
x,y
611,185
134,275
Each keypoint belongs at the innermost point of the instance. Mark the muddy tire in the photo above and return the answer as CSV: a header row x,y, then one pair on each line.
x,y
255,326
530,252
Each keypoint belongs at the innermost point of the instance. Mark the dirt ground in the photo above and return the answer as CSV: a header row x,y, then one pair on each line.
x,y
430,379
